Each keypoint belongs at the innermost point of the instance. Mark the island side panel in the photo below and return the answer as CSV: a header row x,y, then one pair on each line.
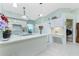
x,y
25,47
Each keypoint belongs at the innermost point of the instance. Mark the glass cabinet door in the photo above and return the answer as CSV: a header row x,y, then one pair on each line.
x,y
30,28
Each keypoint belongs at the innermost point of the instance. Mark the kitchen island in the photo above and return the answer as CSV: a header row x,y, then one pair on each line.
x,y
24,45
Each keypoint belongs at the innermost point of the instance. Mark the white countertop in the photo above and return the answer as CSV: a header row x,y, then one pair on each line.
x,y
19,38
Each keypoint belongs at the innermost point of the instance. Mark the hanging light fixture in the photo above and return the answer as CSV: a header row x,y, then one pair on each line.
x,y
24,16
41,10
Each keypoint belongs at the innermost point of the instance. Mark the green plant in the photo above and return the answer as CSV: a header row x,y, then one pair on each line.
x,y
7,31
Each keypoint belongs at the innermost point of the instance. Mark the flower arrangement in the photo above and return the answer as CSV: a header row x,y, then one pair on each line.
x,y
4,26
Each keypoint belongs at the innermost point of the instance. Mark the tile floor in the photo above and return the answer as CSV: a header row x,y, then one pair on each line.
x,y
59,50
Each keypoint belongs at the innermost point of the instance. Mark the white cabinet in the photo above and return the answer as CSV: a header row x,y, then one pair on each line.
x,y
24,46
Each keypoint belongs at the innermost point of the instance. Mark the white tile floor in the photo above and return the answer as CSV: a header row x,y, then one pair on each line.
x,y
60,50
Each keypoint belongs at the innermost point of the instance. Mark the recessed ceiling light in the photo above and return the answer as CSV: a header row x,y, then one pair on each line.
x,y
40,15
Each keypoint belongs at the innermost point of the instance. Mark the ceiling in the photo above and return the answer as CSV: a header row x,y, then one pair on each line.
x,y
33,10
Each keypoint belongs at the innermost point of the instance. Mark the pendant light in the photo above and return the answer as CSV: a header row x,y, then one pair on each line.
x,y
24,13
40,15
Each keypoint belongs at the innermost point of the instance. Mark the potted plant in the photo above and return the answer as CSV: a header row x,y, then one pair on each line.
x,y
6,34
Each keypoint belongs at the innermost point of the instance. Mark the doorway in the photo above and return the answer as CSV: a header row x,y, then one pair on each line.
x,y
69,30
77,28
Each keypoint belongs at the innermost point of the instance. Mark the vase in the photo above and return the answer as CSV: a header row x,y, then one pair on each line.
x,y
40,28
6,35
40,31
